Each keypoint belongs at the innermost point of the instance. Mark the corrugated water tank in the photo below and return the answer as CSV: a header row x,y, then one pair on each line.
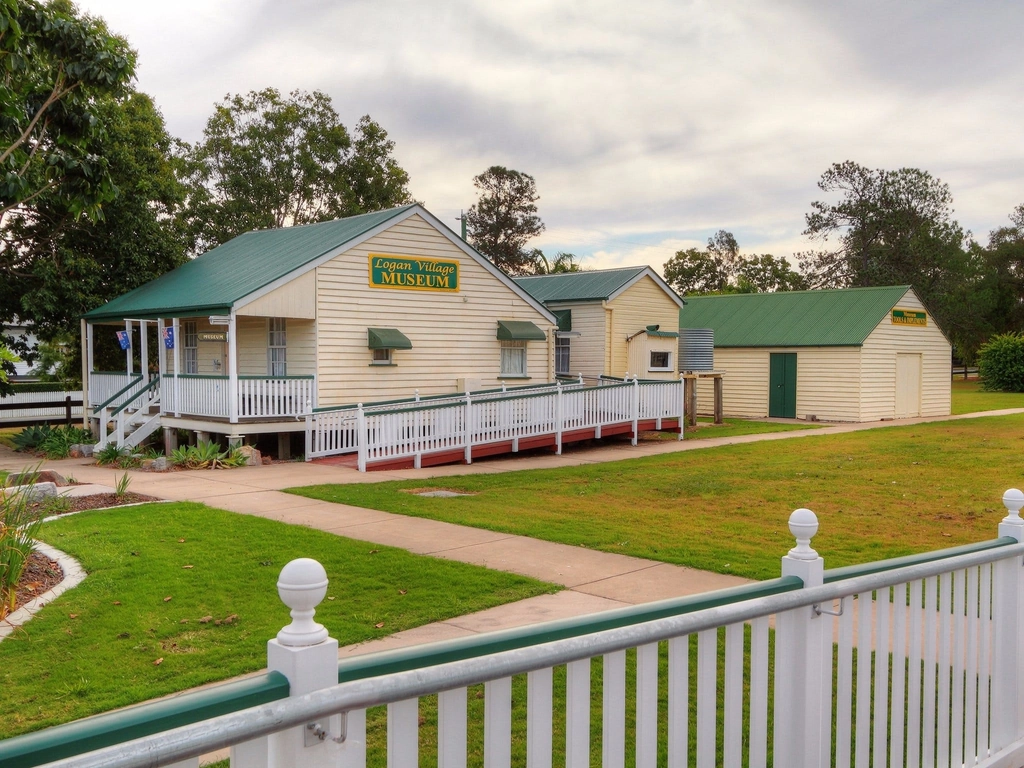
x,y
696,349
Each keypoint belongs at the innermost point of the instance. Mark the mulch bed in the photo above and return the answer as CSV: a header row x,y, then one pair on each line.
x,y
40,575
97,501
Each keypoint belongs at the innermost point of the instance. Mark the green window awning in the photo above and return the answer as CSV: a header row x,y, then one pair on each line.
x,y
564,319
519,330
387,338
664,334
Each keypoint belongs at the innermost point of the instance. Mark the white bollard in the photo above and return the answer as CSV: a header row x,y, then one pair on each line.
x,y
305,654
800,659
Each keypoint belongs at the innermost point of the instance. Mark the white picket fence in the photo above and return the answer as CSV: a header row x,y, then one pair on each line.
x,y
25,411
410,429
929,672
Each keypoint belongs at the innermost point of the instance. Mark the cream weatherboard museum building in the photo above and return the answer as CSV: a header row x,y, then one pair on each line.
x,y
274,323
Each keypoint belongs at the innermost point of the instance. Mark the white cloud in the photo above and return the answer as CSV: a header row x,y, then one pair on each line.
x,y
645,125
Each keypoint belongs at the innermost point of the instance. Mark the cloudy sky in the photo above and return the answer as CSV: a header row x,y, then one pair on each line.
x,y
647,125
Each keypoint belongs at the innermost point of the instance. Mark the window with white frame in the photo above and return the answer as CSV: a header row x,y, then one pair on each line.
x,y
660,361
382,357
513,358
190,346
277,347
562,355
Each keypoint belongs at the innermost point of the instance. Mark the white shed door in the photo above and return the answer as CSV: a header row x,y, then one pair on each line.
x,y
908,386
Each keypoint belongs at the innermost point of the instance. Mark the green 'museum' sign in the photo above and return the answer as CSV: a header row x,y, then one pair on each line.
x,y
909,317
413,273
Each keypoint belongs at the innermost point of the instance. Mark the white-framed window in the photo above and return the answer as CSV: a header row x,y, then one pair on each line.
x,y
660,360
277,347
190,346
562,355
513,359
382,357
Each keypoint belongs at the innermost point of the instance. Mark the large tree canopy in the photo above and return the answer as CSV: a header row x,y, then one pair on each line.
x,y
897,228
721,269
267,160
60,265
56,65
504,219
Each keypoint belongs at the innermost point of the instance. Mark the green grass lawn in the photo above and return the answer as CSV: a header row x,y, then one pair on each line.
x,y
969,397
96,647
878,494
706,428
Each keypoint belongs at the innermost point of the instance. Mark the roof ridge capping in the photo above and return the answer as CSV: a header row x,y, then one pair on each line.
x,y
815,318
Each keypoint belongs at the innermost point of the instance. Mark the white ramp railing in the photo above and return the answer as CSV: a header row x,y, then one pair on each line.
x,y
928,669
414,429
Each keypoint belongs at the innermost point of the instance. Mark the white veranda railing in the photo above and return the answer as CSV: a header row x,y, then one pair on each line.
x,y
404,429
924,651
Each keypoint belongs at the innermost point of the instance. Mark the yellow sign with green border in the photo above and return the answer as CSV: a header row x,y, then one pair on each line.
x,y
909,317
413,273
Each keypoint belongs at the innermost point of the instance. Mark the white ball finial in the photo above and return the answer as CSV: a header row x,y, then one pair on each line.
x,y
1013,500
301,586
803,524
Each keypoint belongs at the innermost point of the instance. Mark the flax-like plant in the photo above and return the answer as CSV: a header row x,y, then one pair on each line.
x,y
121,488
18,526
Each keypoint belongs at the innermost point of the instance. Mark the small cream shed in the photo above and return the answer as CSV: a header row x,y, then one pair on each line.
x,y
859,354
611,322
258,332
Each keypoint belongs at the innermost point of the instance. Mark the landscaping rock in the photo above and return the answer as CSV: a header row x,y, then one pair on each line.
x,y
159,464
82,449
43,476
253,457
33,493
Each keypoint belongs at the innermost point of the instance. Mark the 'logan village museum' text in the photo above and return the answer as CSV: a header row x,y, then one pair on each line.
x,y
413,273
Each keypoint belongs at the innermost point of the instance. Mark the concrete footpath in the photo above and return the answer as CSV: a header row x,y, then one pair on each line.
x,y
593,581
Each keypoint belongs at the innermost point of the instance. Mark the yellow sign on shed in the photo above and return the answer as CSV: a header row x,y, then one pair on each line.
x,y
909,317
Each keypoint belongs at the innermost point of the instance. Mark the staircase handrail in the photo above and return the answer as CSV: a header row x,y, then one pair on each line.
x,y
153,382
120,392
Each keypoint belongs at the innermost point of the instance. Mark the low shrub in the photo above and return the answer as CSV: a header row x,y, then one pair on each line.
x,y
54,442
1001,363
57,444
18,526
207,456
30,438
110,454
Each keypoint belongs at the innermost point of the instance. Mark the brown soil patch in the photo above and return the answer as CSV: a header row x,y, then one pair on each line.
x,y
97,501
41,574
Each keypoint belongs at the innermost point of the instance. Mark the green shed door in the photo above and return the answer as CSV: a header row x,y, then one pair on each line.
x,y
782,385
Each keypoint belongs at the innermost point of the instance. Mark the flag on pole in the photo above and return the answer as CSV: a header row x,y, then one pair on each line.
x,y
124,339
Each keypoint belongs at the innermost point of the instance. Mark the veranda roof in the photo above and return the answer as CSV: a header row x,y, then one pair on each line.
x,y
213,282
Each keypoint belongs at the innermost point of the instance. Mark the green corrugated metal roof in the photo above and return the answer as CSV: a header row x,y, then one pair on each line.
x,y
792,319
578,286
213,282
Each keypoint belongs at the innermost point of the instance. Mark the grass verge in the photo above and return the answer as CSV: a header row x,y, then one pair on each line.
x,y
878,494
134,629
969,397
706,428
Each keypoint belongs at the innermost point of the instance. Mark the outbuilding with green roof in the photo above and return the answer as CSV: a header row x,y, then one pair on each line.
x,y
857,354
